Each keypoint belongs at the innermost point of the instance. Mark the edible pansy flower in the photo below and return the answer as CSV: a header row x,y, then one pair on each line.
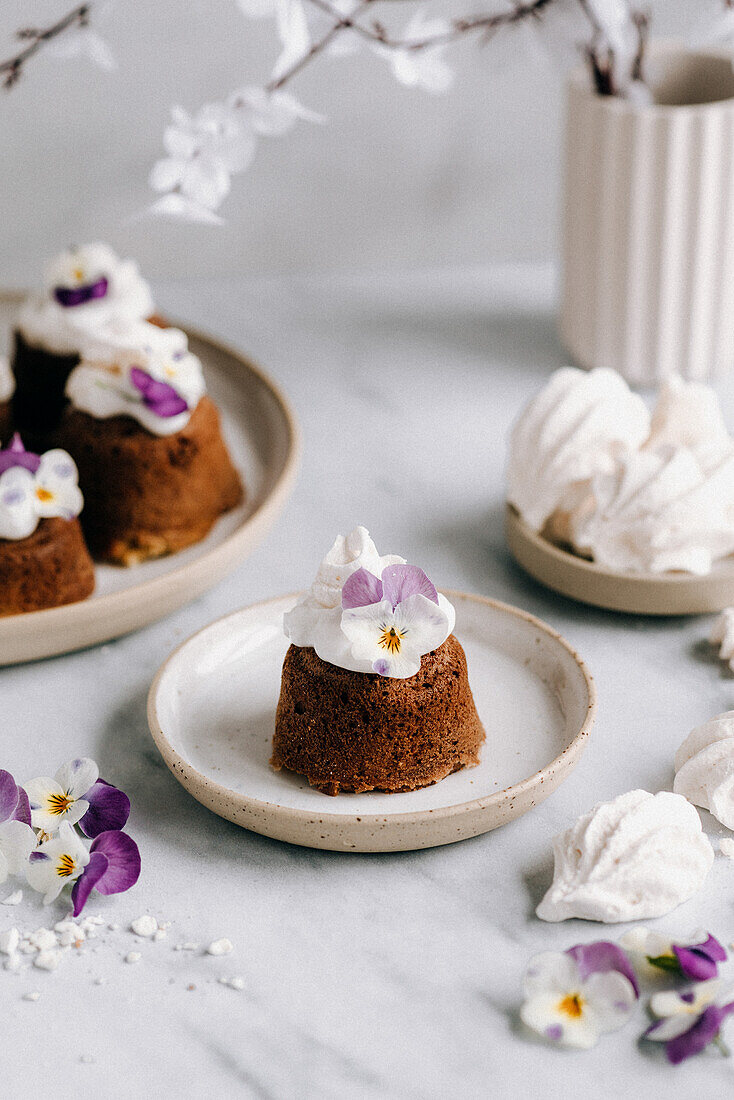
x,y
56,862
56,490
695,958
113,867
17,839
573,998
691,1019
16,455
393,620
34,487
77,795
160,397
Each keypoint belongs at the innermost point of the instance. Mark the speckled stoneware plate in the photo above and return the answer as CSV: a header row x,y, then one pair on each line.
x,y
211,710
263,437
636,593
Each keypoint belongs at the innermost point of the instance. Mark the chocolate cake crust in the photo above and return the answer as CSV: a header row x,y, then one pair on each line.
x,y
353,731
147,495
6,422
49,568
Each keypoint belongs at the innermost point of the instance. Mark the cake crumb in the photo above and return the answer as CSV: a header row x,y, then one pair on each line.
x,y
145,926
47,960
219,947
87,1059
233,983
31,996
161,934
726,847
133,957
13,899
9,941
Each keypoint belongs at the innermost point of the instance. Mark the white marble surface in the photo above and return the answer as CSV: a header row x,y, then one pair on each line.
x,y
364,976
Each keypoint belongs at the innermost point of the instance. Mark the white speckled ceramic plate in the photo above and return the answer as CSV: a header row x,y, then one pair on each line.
x,y
211,711
263,438
636,593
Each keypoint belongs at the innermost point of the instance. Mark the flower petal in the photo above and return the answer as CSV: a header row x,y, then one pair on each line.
x,y
550,972
425,624
662,1031
401,581
610,997
123,858
93,872
77,776
17,841
361,589
109,808
23,809
685,1002
695,1040
177,206
601,957
8,795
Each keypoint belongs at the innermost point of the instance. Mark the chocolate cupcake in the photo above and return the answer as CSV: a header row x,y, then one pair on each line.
x,y
7,388
44,561
375,693
85,289
153,465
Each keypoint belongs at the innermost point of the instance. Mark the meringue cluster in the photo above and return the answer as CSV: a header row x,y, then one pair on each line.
x,y
591,468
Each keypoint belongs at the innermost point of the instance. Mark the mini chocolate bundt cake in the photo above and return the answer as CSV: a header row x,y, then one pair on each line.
x,y
48,568
351,731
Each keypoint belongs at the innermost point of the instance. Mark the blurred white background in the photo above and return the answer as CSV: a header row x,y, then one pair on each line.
x,y
396,179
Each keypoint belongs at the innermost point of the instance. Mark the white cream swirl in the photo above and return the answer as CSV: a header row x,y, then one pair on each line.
x,y
658,511
102,385
316,620
574,428
704,768
61,329
688,414
638,856
7,379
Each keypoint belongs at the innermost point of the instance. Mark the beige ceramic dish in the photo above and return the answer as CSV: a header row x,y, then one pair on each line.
x,y
264,439
211,711
639,594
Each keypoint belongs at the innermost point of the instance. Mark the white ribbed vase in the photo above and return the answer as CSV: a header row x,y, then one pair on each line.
x,y
648,238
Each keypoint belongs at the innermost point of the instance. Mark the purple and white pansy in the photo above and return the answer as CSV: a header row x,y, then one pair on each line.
x,y
691,1019
45,829
35,487
696,957
370,613
392,620
574,997
159,383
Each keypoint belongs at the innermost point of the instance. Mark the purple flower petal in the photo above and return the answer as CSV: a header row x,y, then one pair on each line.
x,y
17,455
401,581
699,961
109,808
76,296
159,397
89,878
361,589
698,1037
123,858
8,796
23,809
601,957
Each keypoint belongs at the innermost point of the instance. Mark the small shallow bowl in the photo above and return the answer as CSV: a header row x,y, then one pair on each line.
x,y
211,711
636,593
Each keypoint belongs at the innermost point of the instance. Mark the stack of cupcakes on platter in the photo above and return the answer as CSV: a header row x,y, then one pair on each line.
x,y
119,402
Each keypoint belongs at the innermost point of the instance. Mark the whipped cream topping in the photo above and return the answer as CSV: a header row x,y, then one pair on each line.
x,y
35,487
704,768
576,427
7,380
317,618
658,511
636,857
688,414
84,288
140,371
722,636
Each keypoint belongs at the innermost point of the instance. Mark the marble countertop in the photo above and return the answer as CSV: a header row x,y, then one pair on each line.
x,y
364,975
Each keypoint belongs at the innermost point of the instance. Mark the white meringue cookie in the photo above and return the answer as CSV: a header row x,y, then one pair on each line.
x,y
636,857
688,414
573,429
658,511
704,766
722,635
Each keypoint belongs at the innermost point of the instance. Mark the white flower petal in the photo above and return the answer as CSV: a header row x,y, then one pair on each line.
x,y
205,181
669,1002
670,1028
18,517
550,972
177,206
17,841
610,997
294,34
423,622
77,776
167,173
544,1014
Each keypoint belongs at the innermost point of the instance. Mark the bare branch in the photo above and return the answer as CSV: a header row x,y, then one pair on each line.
x,y
11,69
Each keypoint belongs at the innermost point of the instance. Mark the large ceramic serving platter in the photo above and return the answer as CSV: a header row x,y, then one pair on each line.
x,y
263,438
211,710
635,593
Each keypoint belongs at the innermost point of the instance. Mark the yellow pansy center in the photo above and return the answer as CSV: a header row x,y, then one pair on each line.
x,y
572,1006
170,371
78,274
66,865
44,494
59,803
391,639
